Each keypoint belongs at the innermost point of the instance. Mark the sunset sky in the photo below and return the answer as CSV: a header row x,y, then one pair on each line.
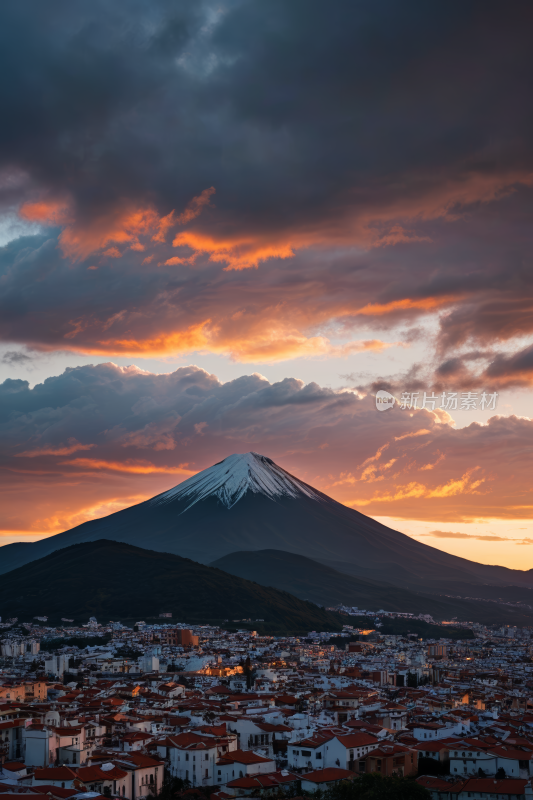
x,y
225,226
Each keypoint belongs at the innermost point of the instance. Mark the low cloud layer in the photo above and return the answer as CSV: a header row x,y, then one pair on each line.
x,y
472,536
96,439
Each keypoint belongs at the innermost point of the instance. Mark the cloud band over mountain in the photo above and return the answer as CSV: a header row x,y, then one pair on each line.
x,y
99,438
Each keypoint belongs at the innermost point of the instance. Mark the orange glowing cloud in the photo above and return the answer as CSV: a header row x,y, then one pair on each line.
x,y
63,521
113,252
47,212
422,432
175,260
245,338
193,210
122,225
137,467
434,464
271,320
48,450
463,485
368,228
196,205
238,253
371,227
164,224
422,304
194,338
279,347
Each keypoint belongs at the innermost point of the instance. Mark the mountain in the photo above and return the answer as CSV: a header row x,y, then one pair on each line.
x,y
113,580
246,502
321,584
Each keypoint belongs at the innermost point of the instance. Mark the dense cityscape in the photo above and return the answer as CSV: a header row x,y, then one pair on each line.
x,y
112,710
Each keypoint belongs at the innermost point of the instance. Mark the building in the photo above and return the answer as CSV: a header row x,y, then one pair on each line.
x,y
178,637
391,760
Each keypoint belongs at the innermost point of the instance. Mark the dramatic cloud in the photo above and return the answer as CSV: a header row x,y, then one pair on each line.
x,y
16,358
98,438
268,180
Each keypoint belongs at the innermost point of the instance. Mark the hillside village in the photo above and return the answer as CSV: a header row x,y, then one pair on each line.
x,y
117,711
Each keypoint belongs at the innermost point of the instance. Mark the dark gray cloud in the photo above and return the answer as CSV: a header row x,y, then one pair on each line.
x,y
162,98
326,128
514,369
109,405
16,358
287,108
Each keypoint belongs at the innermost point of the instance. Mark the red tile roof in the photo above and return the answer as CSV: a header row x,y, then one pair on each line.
x,y
430,782
56,791
55,774
492,786
357,739
96,773
328,775
243,757
271,780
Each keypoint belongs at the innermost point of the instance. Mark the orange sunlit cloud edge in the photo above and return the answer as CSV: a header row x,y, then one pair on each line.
x,y
126,223
361,457
269,319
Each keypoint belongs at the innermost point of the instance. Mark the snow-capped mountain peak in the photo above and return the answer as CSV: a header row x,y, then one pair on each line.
x,y
230,479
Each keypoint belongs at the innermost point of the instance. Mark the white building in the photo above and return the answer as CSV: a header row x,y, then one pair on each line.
x,y
195,762
56,665
240,764
149,663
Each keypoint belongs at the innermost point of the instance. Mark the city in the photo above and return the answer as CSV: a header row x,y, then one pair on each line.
x,y
240,714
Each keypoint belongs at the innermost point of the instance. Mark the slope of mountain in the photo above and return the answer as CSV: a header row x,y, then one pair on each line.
x,y
113,580
246,502
321,584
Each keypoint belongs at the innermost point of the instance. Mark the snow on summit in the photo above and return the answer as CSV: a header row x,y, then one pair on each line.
x,y
230,479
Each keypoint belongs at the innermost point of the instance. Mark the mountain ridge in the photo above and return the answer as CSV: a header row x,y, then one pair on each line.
x,y
129,582
322,584
233,514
